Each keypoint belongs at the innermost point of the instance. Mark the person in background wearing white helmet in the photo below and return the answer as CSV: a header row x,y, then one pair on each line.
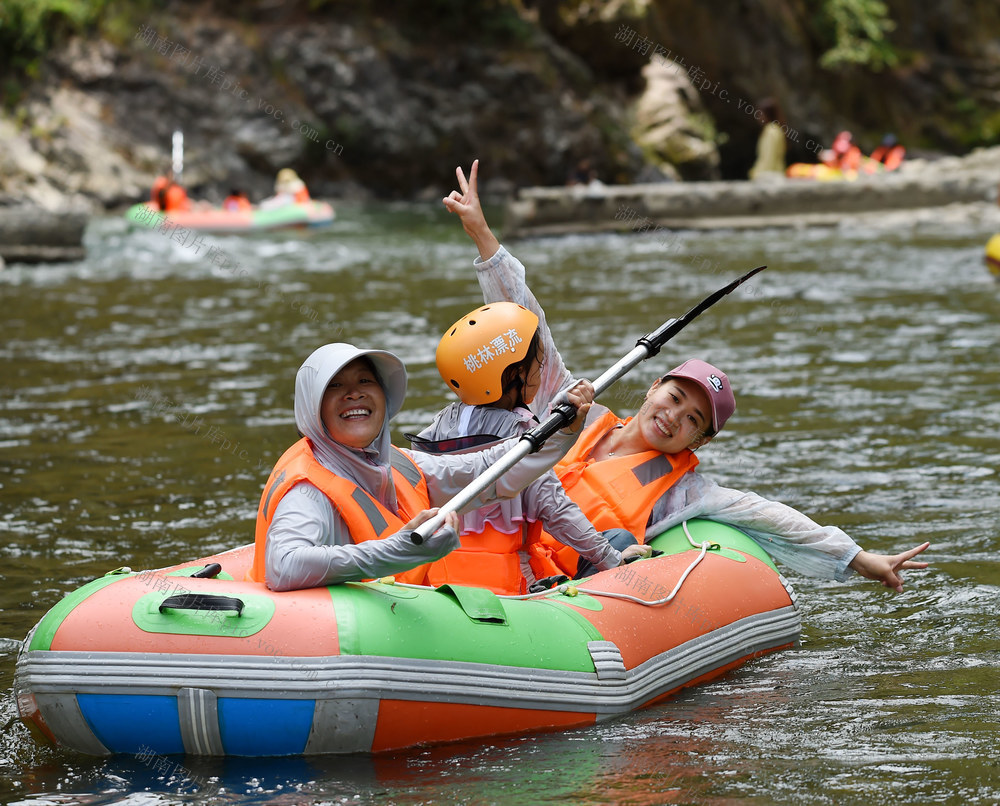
x,y
340,504
683,411
492,359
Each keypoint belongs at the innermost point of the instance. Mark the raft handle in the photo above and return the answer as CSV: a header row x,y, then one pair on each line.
x,y
202,601
210,571
547,583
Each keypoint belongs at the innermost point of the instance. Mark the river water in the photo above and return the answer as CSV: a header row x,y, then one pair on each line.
x,y
148,390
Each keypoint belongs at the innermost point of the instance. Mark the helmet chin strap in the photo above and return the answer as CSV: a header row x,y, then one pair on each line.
x,y
520,380
516,385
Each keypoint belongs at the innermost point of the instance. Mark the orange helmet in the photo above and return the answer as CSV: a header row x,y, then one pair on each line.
x,y
474,352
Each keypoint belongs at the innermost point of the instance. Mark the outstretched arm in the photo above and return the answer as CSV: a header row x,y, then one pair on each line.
x,y
502,278
790,537
885,568
466,206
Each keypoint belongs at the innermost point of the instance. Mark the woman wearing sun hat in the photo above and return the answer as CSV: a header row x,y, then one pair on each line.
x,y
288,189
341,502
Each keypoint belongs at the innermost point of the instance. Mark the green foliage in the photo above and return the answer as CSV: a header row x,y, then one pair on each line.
x,y
857,31
972,124
30,28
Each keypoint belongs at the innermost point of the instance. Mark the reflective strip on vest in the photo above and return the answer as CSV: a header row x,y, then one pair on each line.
x,y
375,517
274,486
401,462
654,469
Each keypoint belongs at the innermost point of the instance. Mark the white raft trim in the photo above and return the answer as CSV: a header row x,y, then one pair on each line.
x,y
366,677
608,661
64,718
198,712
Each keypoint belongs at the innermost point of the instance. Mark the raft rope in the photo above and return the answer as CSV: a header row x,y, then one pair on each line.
x,y
705,546
568,589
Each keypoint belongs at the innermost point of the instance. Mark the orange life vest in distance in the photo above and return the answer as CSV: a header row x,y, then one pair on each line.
x,y
616,493
487,559
366,518
172,197
160,183
236,203
302,195
851,160
891,157
177,199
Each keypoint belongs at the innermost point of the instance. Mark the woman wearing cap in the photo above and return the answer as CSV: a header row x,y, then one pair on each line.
x,y
682,411
492,359
340,503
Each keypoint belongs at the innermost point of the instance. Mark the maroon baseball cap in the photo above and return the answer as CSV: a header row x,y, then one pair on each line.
x,y
716,385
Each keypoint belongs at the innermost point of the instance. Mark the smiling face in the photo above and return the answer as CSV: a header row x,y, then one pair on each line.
x,y
675,416
354,407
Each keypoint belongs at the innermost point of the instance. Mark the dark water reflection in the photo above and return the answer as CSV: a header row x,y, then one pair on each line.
x,y
147,391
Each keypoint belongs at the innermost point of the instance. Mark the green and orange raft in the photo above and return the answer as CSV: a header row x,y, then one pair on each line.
x,y
194,659
217,219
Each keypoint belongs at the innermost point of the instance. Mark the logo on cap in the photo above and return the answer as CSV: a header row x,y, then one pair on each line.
x,y
716,382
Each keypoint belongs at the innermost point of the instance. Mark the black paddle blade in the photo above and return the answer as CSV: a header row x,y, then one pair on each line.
x,y
655,340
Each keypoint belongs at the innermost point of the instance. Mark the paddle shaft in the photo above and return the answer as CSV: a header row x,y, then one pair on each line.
x,y
563,414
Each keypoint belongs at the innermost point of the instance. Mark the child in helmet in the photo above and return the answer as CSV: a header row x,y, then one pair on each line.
x,y
492,359
785,533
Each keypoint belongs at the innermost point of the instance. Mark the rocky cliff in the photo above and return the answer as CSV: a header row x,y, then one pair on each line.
x,y
939,93
380,98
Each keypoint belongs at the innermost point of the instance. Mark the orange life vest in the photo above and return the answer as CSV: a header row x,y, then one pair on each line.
x,y
366,518
236,203
302,195
618,492
889,156
851,160
172,197
160,183
487,559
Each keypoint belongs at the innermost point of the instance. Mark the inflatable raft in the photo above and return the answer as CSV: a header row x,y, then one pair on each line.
x,y
169,661
216,219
